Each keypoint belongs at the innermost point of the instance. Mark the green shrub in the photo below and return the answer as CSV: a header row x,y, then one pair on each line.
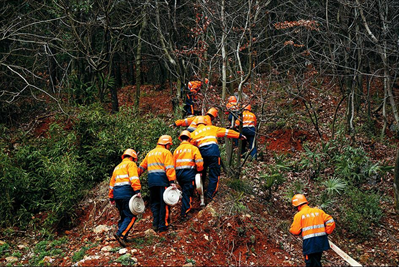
x,y
45,178
359,211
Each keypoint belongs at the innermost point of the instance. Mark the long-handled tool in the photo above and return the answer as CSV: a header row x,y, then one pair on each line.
x,y
343,255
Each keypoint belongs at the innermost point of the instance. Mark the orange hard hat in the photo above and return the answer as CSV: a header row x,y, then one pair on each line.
x,y
248,107
129,152
298,200
213,112
185,133
164,140
232,99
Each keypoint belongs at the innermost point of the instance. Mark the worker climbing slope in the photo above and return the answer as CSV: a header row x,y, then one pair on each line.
x,y
123,184
192,122
188,162
249,130
192,97
161,174
205,138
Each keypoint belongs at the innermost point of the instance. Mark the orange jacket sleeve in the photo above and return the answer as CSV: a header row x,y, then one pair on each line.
x,y
134,177
111,186
170,167
296,226
329,223
184,122
223,132
143,166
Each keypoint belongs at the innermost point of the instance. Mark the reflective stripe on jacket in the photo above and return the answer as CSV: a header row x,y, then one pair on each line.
x,y
248,119
188,161
315,225
124,181
160,165
205,138
191,122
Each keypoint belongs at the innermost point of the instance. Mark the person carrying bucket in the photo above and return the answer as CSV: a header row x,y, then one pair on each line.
x,y
123,184
161,174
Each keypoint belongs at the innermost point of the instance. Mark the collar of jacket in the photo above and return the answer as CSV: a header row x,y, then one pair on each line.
x,y
304,206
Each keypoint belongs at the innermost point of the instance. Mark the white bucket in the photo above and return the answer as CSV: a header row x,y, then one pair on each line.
x,y
171,196
198,183
136,205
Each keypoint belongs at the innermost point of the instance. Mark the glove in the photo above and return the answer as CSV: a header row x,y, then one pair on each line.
x,y
138,195
242,137
112,202
173,185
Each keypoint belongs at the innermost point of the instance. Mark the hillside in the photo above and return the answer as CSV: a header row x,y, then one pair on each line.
x,y
238,228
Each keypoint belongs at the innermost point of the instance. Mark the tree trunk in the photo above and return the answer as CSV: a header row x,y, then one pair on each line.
x,y
396,182
138,57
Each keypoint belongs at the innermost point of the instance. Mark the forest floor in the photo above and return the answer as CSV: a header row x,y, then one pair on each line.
x,y
215,235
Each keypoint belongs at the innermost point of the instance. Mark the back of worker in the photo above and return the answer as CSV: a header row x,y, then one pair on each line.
x,y
161,174
188,162
205,138
248,129
314,225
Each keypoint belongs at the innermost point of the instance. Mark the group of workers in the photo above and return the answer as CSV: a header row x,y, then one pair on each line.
x,y
199,152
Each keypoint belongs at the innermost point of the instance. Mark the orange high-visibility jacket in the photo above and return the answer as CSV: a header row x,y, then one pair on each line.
x,y
160,165
124,181
188,157
205,138
248,119
315,225
191,122
194,86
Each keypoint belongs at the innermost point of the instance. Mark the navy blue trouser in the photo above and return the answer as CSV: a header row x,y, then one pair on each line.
x,y
127,219
249,133
213,164
159,209
188,192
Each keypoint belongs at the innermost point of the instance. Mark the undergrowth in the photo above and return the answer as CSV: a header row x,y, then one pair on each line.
x,y
43,179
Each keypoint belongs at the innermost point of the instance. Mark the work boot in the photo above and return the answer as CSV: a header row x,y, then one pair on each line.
x,y
120,240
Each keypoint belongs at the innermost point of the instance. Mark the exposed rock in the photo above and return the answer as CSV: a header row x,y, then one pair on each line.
x,y
123,251
209,210
11,259
150,232
101,229
106,248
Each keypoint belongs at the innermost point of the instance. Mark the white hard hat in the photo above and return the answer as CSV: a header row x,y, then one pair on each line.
x,y
136,205
171,196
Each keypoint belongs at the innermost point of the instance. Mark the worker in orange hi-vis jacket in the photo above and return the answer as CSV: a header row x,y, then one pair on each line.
x,y
192,122
314,225
248,129
161,175
123,184
232,109
192,97
205,138
188,162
